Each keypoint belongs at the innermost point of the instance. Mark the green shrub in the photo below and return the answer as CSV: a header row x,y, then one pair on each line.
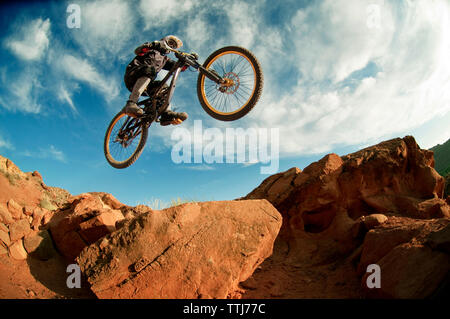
x,y
45,203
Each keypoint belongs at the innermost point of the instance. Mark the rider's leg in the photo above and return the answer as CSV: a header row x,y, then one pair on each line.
x,y
170,117
139,87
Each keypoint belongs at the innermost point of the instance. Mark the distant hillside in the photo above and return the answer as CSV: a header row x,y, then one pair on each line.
x,y
442,157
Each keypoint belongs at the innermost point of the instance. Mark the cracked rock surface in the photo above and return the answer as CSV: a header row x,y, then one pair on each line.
x,y
195,250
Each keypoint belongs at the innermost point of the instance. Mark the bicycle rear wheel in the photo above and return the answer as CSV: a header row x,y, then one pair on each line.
x,y
242,88
124,141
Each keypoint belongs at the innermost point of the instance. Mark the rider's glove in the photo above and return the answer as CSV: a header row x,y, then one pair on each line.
x,y
194,55
184,68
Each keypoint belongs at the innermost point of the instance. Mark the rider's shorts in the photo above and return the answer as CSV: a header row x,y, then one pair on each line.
x,y
134,73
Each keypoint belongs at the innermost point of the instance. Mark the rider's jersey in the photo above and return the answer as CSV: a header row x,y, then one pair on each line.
x,y
151,55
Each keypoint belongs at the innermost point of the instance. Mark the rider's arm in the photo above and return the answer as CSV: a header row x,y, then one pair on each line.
x,y
169,65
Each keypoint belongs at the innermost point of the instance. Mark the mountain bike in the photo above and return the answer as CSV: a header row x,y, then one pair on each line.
x,y
229,85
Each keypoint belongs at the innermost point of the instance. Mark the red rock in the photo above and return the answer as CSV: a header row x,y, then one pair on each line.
x,y
187,251
329,207
3,250
38,214
99,226
409,272
19,229
394,177
17,251
15,209
39,245
37,174
47,216
28,210
5,215
4,228
434,208
111,201
4,238
70,245
440,240
82,223
374,220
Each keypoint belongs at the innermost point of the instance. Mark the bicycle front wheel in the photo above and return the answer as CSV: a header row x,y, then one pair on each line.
x,y
241,89
124,140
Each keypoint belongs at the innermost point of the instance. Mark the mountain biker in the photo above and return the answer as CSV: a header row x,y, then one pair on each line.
x,y
141,73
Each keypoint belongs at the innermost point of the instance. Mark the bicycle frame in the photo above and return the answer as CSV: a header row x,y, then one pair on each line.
x,y
183,59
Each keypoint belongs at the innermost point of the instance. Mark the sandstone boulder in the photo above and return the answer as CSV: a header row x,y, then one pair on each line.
x,y
17,251
195,250
409,271
39,245
4,228
411,255
19,229
4,238
440,240
5,215
15,209
3,250
37,174
395,177
357,209
9,167
374,220
83,221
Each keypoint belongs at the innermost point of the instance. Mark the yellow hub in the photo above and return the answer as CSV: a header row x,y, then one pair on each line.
x,y
227,82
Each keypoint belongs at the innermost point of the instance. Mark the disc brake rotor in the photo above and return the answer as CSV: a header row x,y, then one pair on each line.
x,y
230,84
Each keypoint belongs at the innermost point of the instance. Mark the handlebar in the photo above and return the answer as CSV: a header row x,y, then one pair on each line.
x,y
180,54
191,60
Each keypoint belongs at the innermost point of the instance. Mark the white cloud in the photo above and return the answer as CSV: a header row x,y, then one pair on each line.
x,y
51,152
243,23
31,42
106,26
22,92
198,34
54,153
5,144
317,90
201,167
332,40
157,13
65,95
82,70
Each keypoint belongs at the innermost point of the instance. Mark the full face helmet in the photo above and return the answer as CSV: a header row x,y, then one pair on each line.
x,y
173,42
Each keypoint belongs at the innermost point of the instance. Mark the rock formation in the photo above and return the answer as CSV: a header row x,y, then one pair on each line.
x,y
83,220
205,249
300,234
372,206
195,250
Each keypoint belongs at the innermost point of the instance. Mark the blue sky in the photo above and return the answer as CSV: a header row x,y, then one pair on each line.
x,y
339,75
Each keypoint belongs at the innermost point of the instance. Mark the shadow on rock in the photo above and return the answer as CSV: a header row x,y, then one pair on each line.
x,y
52,274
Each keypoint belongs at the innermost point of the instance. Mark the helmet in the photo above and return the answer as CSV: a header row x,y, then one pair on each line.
x,y
172,41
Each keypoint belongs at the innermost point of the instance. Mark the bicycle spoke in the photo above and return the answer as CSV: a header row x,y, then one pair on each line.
x,y
232,98
124,138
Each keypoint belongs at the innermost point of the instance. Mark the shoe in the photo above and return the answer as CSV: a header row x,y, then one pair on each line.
x,y
131,109
171,117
